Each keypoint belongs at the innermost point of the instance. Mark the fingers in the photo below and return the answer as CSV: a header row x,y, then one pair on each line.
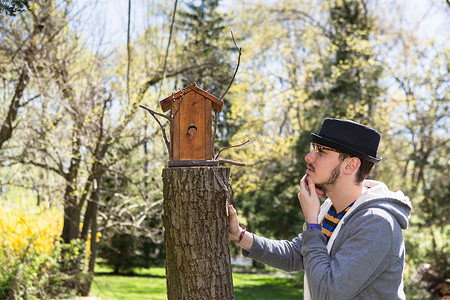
x,y
307,184
311,185
234,223
319,192
303,184
233,212
309,200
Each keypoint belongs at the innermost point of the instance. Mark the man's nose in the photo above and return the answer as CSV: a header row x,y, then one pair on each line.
x,y
311,156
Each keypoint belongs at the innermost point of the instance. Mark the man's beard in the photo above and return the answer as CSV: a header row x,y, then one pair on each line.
x,y
326,186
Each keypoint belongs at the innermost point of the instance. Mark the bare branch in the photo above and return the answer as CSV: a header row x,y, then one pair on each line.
x,y
231,82
128,49
307,18
237,67
170,38
154,113
7,127
124,215
217,156
232,162
158,77
173,117
179,104
45,167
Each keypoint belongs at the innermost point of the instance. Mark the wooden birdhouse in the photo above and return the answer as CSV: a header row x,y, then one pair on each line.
x,y
191,133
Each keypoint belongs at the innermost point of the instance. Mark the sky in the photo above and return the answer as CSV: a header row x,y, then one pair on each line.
x,y
105,21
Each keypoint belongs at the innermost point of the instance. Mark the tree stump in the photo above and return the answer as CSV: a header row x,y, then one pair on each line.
x,y
196,224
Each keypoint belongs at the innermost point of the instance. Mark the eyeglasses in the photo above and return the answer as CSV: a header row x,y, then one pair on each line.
x,y
319,148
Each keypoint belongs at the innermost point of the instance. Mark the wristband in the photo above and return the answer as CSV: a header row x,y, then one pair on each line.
x,y
241,235
311,225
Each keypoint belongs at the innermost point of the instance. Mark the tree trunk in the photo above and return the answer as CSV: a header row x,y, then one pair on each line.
x,y
90,225
71,227
8,124
72,212
196,224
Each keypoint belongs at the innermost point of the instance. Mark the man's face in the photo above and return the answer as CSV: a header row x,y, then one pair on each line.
x,y
323,167
331,181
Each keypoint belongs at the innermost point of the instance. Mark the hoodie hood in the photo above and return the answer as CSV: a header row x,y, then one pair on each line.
x,y
378,195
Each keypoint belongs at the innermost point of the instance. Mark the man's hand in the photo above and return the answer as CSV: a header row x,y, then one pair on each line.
x,y
234,230
309,199
234,233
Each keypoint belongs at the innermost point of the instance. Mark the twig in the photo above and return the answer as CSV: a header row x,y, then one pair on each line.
x,y
231,82
168,44
170,37
232,162
154,113
217,156
128,49
179,104
237,67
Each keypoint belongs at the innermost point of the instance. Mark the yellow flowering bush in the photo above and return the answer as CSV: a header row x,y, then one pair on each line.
x,y
32,260
22,230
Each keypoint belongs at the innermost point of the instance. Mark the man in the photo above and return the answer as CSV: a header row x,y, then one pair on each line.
x,y
351,246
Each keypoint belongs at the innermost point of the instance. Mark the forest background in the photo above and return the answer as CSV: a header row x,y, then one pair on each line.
x,y
79,160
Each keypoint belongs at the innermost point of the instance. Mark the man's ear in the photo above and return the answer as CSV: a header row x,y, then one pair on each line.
x,y
352,165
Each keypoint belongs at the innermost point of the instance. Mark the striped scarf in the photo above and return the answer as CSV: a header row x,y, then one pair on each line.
x,y
331,220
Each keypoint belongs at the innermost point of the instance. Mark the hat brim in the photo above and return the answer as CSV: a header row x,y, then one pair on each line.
x,y
338,146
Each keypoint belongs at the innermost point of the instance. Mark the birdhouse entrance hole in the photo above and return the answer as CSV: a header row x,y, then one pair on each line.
x,y
191,130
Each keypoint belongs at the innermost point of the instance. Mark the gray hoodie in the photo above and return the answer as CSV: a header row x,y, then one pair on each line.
x,y
365,255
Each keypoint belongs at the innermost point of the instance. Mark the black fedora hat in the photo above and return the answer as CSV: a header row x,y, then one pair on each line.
x,y
349,137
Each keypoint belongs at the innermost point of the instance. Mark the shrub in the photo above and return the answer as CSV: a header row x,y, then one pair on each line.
x,y
32,259
28,274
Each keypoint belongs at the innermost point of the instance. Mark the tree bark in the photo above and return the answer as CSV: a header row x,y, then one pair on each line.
x,y
7,126
90,225
196,224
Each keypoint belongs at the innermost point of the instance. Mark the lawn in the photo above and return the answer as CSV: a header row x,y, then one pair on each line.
x,y
151,284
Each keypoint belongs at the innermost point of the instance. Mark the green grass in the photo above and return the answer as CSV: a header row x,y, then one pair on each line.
x,y
151,284
256,286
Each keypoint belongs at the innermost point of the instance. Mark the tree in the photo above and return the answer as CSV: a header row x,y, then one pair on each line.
x,y
350,59
25,46
349,74
13,7
89,128
131,230
195,219
421,77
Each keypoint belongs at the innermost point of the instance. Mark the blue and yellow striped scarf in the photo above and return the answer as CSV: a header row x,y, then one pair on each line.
x,y
331,220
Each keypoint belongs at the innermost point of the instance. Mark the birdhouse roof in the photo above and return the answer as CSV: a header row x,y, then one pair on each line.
x,y
216,103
